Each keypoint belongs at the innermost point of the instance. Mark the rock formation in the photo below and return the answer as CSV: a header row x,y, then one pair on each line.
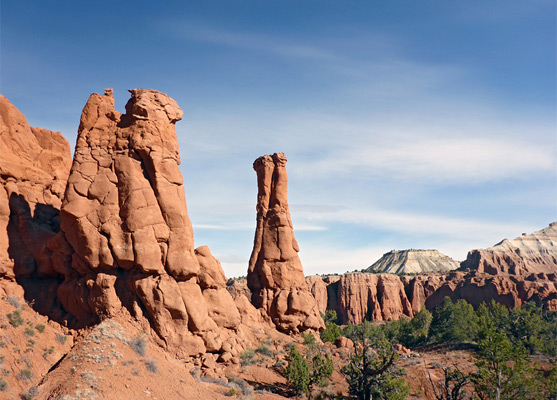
x,y
413,262
126,238
528,254
34,167
382,297
275,275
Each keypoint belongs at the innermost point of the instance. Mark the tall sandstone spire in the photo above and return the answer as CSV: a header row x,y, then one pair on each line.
x,y
275,275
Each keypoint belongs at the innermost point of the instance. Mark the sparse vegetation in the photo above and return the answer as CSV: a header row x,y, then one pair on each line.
x,y
25,374
151,366
40,328
139,345
247,357
15,318
3,385
47,352
14,301
61,338
30,393
29,331
264,350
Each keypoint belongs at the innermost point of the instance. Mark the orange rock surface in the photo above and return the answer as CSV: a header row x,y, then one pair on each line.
x,y
127,240
34,167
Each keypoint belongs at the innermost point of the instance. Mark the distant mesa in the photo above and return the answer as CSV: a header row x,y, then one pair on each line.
x,y
526,255
414,262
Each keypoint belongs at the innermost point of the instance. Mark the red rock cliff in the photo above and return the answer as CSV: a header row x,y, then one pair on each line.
x,y
127,240
34,167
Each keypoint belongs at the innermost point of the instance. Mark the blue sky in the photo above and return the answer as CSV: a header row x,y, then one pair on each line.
x,y
426,124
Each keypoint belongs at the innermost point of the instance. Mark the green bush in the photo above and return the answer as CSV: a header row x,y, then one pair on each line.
x,y
40,328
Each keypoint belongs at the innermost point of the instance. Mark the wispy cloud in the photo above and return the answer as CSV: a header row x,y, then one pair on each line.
x,y
471,160
251,227
415,223
249,41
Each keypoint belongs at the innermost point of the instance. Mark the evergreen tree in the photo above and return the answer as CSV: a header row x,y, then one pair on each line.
x,y
454,322
297,371
303,375
452,385
332,330
503,370
371,371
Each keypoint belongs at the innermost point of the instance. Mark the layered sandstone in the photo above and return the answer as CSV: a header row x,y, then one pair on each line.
x,y
275,275
127,241
381,297
528,254
34,167
413,262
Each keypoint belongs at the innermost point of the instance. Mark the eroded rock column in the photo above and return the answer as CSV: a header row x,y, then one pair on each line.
x,y
275,275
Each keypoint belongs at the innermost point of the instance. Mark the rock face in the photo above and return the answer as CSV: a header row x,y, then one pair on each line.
x,y
413,262
382,297
528,254
127,240
34,167
275,275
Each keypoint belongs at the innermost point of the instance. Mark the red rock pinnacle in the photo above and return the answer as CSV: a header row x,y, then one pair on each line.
x,y
275,274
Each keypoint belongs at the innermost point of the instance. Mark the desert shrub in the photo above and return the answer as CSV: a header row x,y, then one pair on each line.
x,y
15,318
40,328
264,350
231,392
309,339
13,301
61,338
210,379
25,375
247,357
139,345
29,331
151,366
48,351
30,393
3,385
